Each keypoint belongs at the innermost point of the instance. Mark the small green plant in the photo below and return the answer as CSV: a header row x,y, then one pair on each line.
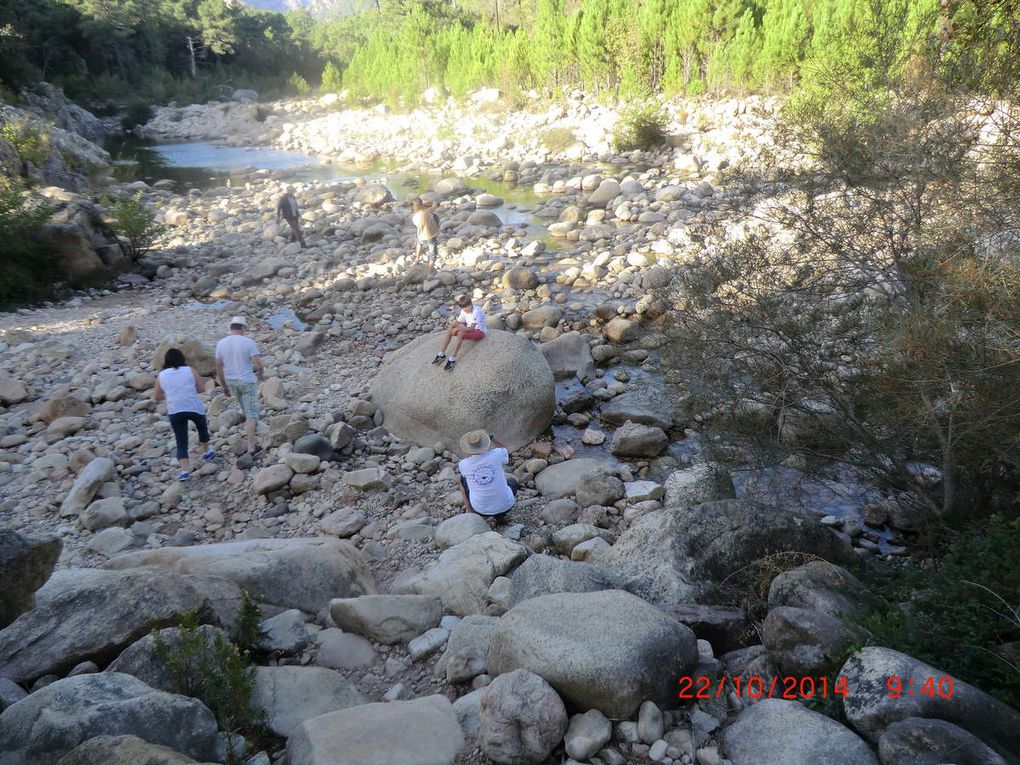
x,y
249,620
213,670
557,139
643,127
135,222
332,80
28,140
137,113
300,84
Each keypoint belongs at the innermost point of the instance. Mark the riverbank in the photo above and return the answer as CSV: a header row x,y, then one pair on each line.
x,y
618,494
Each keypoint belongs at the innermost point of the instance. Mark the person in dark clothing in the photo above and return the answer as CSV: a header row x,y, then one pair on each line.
x,y
287,208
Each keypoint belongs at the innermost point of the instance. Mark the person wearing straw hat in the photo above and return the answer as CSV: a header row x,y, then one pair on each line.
x,y
486,488
238,368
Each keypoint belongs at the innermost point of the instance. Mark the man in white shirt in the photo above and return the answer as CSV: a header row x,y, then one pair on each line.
x,y
486,488
238,366
469,325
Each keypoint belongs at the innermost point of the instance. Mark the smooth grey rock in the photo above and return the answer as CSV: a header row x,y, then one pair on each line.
x,y
92,476
640,406
802,642
462,575
459,529
650,724
522,719
387,618
25,564
824,587
300,572
916,741
544,574
103,513
345,522
368,479
272,478
290,695
569,537
428,643
467,651
604,650
501,382
597,488
568,355
870,710
468,709
286,633
343,650
122,750
778,732
97,617
55,719
561,480
424,731
586,734
671,556
635,440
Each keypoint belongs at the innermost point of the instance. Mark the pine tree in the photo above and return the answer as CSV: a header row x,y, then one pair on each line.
x,y
332,82
785,35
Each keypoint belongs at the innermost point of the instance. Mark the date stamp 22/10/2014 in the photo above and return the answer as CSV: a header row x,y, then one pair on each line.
x,y
797,688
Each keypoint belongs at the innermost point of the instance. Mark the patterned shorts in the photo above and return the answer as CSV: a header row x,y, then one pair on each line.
x,y
247,394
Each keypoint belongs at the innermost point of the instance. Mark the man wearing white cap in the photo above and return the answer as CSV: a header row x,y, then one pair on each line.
x,y
238,367
486,488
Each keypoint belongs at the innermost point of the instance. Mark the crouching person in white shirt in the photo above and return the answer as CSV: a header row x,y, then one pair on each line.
x,y
486,488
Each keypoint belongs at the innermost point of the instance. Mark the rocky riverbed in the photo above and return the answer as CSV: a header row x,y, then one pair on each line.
x,y
561,634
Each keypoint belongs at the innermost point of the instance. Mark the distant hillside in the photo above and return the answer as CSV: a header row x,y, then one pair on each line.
x,y
318,8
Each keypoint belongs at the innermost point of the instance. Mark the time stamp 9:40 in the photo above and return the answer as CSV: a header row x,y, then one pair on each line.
x,y
806,687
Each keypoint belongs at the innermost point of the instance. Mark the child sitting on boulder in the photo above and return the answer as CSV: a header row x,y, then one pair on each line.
x,y
486,488
469,325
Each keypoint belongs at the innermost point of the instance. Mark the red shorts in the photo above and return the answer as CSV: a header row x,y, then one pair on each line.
x,y
473,334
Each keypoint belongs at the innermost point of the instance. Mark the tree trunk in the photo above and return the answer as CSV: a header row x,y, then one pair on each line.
x,y
191,56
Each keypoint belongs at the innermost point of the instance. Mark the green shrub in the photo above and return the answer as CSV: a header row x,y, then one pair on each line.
x,y
332,80
960,609
29,142
300,84
643,127
557,139
216,671
28,268
137,113
135,222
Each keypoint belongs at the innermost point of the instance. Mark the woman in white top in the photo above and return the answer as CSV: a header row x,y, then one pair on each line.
x,y
469,325
178,385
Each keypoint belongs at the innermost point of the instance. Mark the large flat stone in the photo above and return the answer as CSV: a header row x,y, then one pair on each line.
x,y
606,650
424,731
303,573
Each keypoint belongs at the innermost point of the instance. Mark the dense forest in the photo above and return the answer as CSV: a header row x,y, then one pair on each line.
x,y
395,50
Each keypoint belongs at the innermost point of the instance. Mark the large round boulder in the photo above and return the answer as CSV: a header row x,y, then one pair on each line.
x,y
501,384
604,650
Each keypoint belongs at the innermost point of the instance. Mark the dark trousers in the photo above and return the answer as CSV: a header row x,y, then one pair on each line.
x,y
510,481
295,230
179,423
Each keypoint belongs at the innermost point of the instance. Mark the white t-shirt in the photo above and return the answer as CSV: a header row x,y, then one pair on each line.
x,y
179,387
475,316
236,353
487,486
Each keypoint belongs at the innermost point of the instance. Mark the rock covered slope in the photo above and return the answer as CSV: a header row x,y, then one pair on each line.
x,y
398,629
